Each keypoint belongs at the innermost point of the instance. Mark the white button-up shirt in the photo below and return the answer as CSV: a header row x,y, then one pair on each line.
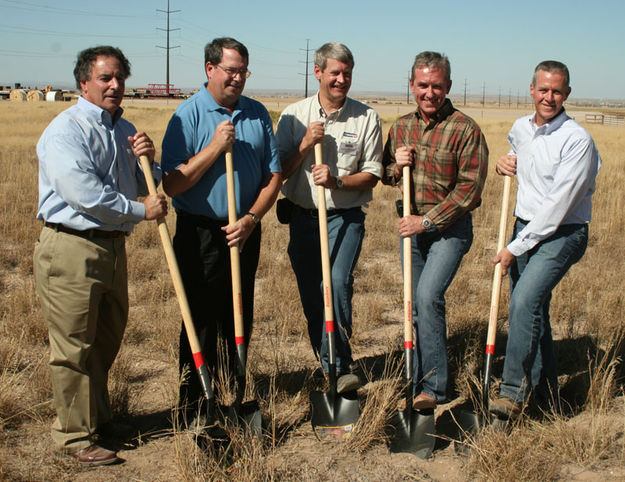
x,y
556,168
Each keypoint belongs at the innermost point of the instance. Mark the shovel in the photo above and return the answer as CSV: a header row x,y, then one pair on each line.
x,y
196,350
413,431
249,412
333,415
469,422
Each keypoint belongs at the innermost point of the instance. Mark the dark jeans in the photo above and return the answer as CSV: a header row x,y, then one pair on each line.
x,y
436,257
346,231
530,362
204,259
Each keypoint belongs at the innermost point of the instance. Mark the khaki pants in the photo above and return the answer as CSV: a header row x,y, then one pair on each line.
x,y
83,288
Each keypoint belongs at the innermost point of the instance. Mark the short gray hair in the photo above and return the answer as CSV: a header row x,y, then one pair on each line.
x,y
433,60
552,66
333,50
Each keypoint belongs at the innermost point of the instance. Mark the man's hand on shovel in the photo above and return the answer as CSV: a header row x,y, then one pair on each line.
x,y
238,232
506,258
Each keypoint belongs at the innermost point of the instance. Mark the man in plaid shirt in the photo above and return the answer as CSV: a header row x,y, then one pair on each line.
x,y
448,157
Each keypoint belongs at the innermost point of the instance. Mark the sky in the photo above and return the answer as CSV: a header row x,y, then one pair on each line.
x,y
492,45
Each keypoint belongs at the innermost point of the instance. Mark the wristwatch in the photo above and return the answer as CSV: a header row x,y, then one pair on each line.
x,y
339,182
254,217
426,222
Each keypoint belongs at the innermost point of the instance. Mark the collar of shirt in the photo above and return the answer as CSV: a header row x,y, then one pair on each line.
x,y
332,116
549,127
441,114
98,113
241,105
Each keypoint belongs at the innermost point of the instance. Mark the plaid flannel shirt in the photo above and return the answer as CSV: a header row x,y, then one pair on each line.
x,y
450,167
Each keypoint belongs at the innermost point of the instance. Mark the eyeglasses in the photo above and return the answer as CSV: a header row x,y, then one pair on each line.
x,y
244,73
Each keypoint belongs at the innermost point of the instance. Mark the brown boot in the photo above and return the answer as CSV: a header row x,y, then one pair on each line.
x,y
504,407
423,401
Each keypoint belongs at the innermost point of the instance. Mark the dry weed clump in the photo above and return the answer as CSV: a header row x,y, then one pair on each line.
x,y
382,396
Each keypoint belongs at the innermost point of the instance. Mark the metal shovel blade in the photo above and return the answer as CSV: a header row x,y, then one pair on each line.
x,y
334,416
413,432
245,415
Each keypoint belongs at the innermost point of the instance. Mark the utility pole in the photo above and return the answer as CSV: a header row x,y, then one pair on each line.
x,y
465,91
499,101
168,48
483,94
306,74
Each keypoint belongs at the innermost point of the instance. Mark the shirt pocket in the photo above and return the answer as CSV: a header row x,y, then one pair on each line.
x,y
349,153
442,169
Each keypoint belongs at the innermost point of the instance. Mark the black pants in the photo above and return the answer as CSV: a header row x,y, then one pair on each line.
x,y
204,259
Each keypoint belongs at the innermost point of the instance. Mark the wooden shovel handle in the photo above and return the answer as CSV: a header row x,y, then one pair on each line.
x,y
172,264
235,259
407,252
168,248
497,274
326,269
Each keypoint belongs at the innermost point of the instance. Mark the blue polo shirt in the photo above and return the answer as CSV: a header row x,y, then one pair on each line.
x,y
255,153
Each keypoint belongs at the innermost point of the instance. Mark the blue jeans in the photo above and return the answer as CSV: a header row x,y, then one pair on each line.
x,y
530,362
345,234
436,257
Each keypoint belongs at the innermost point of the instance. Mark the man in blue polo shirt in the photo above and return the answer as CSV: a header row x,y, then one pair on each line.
x,y
193,159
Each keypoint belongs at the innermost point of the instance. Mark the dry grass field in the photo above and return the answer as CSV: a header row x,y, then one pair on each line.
x,y
585,443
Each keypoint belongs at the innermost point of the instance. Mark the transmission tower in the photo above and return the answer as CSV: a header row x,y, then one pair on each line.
x,y
306,73
168,48
465,91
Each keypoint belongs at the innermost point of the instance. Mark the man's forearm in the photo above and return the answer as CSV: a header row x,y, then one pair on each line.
x,y
267,196
293,162
359,181
187,175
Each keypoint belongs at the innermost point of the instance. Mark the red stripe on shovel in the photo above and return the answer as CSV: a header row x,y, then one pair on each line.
x,y
198,359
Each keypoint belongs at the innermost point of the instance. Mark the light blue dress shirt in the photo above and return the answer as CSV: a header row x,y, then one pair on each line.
x,y
556,168
88,176
254,153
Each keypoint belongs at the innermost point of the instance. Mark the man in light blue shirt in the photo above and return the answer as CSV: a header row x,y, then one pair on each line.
x,y
89,179
556,162
201,130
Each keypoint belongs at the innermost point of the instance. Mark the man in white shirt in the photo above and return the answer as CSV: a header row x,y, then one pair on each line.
x,y
556,162
351,137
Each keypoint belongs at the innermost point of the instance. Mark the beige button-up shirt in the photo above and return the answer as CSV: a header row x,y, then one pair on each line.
x,y
352,143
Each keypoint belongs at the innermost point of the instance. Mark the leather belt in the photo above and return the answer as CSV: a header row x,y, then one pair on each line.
x,y
314,213
88,233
